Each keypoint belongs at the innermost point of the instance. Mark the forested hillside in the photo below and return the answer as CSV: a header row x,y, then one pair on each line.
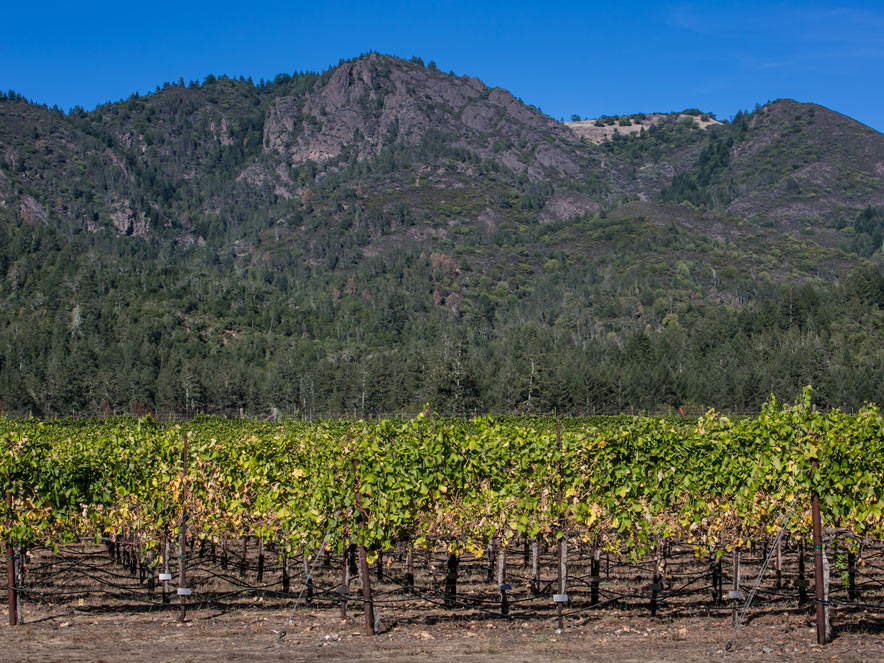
x,y
385,235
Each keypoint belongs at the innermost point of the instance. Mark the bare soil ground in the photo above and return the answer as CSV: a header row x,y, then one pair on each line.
x,y
594,134
82,605
248,633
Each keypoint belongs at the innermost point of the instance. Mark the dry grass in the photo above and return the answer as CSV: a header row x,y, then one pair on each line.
x,y
594,134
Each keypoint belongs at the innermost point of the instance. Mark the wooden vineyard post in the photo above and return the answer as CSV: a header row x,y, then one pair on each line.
x,y
308,579
351,560
409,569
450,596
11,594
656,585
851,576
260,575
428,559
501,581
820,593
165,576
826,582
595,572
715,567
735,594
149,570
490,549
366,591
561,598
345,580
133,556
286,578
364,572
535,566
183,590
142,566
19,582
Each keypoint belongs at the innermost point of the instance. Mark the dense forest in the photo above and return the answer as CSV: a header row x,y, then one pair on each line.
x,y
106,327
383,236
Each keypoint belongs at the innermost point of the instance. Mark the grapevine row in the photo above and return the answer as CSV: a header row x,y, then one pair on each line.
x,y
627,485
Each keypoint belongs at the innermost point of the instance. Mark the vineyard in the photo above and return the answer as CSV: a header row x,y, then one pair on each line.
x,y
494,516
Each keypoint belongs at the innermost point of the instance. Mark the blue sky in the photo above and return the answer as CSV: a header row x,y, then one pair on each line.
x,y
584,58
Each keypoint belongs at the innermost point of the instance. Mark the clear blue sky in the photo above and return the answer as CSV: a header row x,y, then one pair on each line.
x,y
585,58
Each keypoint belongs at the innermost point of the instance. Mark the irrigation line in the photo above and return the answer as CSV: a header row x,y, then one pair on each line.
x,y
128,596
852,604
776,542
104,573
456,601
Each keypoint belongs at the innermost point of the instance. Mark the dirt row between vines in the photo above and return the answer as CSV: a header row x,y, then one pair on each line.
x,y
251,633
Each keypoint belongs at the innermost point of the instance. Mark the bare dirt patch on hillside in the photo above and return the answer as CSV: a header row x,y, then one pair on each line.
x,y
587,128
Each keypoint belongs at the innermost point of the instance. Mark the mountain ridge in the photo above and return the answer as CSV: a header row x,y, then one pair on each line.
x,y
368,104
322,237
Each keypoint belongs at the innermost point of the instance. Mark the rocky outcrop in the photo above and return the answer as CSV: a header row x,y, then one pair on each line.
x,y
128,222
453,156
282,119
32,211
377,101
566,205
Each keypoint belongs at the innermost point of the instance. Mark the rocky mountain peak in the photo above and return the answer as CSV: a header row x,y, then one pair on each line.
x,y
377,101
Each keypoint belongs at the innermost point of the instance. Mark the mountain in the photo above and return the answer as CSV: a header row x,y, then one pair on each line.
x,y
383,235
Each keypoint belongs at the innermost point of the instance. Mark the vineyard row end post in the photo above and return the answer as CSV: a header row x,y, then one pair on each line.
x,y
363,562
820,593
183,590
11,595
